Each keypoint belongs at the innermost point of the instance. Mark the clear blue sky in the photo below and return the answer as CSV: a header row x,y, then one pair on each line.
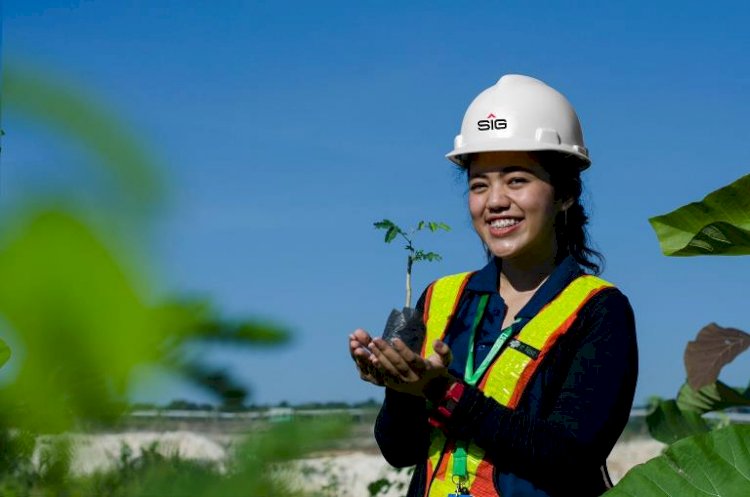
x,y
287,128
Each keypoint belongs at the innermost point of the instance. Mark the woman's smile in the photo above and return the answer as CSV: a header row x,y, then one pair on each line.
x,y
503,226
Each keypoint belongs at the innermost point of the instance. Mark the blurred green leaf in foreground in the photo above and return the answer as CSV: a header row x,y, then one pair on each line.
x,y
74,298
84,314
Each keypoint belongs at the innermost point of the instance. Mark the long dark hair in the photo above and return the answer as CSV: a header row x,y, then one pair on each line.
x,y
570,225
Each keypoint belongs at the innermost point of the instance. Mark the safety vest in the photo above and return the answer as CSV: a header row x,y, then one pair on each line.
x,y
506,378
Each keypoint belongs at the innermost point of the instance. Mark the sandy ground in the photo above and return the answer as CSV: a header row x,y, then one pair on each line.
x,y
343,474
102,451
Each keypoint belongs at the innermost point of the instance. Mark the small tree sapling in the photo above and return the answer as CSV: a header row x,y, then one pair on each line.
x,y
401,324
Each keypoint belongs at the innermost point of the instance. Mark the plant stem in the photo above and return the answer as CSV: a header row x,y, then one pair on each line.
x,y
409,262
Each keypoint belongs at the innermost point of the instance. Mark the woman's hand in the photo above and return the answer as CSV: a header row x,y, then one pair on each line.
x,y
408,372
358,349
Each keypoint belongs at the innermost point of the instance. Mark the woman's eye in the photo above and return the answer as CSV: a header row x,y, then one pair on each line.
x,y
477,186
517,180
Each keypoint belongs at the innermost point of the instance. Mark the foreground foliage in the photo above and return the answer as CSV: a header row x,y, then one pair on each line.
x,y
716,463
80,307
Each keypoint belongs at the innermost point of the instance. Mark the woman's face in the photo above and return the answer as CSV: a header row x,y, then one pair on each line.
x,y
513,207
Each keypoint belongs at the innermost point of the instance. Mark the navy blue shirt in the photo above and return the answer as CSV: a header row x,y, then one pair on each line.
x,y
556,441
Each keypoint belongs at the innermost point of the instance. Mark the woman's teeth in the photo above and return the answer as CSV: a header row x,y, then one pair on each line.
x,y
504,223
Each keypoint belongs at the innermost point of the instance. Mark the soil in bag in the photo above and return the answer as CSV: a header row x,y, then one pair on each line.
x,y
407,325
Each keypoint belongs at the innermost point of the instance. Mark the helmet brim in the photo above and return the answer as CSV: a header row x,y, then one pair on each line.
x,y
459,156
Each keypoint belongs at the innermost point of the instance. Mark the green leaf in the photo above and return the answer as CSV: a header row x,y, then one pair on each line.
x,y
667,423
420,225
715,463
4,353
385,224
391,234
421,255
433,226
195,319
718,225
80,317
432,256
713,397
444,226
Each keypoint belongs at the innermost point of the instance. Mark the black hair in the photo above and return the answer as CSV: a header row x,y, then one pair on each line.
x,y
570,225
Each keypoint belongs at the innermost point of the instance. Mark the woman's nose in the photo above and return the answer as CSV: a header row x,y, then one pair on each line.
x,y
498,198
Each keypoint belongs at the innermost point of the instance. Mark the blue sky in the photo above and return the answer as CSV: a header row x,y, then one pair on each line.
x,y
287,128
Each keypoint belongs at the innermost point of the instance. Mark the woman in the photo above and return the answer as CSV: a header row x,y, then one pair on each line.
x,y
528,368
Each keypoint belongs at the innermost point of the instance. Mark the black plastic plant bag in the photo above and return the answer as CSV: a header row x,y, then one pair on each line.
x,y
407,325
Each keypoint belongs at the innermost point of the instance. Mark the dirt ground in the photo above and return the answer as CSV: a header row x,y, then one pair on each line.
x,y
355,472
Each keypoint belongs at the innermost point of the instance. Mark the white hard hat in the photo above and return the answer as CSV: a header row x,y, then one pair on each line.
x,y
520,113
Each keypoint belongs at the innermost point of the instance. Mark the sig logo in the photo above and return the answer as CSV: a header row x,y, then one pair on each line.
x,y
491,123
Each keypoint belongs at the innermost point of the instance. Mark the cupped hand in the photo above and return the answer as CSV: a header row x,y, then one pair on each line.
x,y
406,371
359,341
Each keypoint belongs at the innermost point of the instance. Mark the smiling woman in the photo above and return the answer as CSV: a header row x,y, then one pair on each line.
x,y
527,372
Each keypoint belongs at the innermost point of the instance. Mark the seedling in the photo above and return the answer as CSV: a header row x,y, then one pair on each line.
x,y
414,254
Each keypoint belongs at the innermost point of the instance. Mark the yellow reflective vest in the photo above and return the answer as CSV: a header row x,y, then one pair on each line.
x,y
506,378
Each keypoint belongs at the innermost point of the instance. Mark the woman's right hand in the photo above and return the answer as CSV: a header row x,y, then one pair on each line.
x,y
359,342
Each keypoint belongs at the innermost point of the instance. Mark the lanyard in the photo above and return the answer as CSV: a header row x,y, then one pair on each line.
x,y
472,376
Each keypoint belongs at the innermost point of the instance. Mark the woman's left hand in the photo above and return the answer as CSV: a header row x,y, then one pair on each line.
x,y
405,371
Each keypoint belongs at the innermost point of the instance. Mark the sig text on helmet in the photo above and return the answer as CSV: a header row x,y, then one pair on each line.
x,y
490,124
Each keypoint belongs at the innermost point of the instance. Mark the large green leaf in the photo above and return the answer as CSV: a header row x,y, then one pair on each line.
x,y
717,225
81,319
667,423
715,464
713,397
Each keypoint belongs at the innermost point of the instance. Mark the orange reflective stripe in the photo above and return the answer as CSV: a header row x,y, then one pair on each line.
x,y
440,306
